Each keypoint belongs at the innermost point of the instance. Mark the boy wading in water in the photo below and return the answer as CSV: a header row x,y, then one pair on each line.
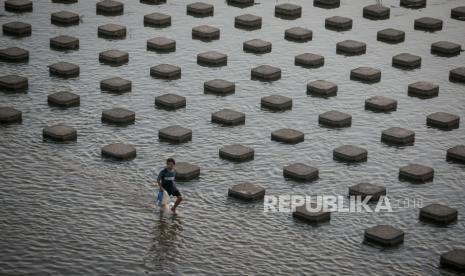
x,y
165,181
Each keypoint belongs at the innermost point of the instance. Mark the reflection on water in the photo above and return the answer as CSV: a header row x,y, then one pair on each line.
x,y
162,255
167,230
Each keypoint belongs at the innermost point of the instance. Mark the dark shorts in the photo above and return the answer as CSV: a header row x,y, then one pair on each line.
x,y
175,193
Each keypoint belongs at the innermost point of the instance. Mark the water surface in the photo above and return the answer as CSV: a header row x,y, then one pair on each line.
x,y
67,211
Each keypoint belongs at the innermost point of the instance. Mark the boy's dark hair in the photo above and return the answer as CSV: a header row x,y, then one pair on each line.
x,y
170,160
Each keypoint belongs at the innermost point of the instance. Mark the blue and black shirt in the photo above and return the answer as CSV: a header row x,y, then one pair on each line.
x,y
166,179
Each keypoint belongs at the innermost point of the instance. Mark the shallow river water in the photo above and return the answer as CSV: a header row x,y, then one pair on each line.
x,y
66,211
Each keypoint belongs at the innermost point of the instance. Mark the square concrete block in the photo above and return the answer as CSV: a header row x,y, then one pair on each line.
x,y
157,19
10,115
406,61
453,259
65,18
247,191
186,171
438,214
238,153
119,151
18,5
228,117
322,88
338,23
413,4
59,133
311,215
288,11
116,85
266,73
166,71
18,29
170,101
457,75
257,46
335,118
351,47
300,172
309,60
458,13
114,57
248,21
384,235
366,189
13,83
365,74
63,99
175,134
443,120
287,135
161,44
298,34
205,32
423,89
428,24
110,7
113,31
398,135
380,104
64,42
276,102
456,154
390,35
349,153
64,1
416,173
200,9
212,58
14,54
219,87
376,12
118,116
446,48
240,3
64,69
327,4
153,2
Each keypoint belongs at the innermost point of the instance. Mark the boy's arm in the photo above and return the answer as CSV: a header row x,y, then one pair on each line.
x,y
159,181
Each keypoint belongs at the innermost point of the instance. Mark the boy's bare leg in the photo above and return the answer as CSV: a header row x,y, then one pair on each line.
x,y
176,203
